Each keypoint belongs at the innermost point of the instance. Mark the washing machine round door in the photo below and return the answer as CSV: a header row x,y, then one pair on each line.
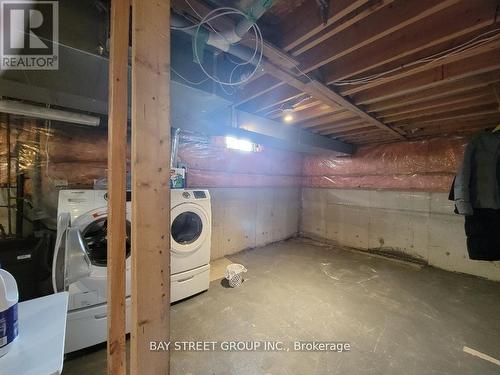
x,y
188,228
93,227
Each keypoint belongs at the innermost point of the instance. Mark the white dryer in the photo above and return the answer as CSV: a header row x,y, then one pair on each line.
x,y
191,236
80,257
87,308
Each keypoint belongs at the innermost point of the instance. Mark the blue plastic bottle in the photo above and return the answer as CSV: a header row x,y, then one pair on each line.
x,y
9,297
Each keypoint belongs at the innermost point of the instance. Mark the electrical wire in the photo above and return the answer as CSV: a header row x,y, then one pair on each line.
x,y
199,16
259,45
282,108
212,15
191,27
473,43
259,39
187,80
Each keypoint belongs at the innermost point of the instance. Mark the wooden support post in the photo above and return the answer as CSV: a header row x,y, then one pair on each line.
x,y
117,159
150,185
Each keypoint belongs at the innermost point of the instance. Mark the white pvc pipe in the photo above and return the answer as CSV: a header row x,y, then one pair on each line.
x,y
17,108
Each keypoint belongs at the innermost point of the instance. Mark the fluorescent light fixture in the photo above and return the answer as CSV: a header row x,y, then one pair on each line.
x,y
239,144
17,108
288,115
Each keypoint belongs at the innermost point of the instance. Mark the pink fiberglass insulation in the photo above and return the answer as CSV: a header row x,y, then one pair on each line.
x,y
427,165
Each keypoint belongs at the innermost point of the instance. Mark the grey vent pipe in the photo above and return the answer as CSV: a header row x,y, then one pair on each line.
x,y
226,40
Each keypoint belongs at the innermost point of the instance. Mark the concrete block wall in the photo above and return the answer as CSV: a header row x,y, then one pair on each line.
x,y
420,224
249,217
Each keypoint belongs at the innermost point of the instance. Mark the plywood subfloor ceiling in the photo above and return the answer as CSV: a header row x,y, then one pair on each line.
x,y
381,70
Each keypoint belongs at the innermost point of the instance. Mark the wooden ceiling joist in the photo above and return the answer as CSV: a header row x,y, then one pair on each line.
x,y
457,123
366,37
347,124
307,103
457,115
293,33
438,92
445,108
310,113
334,28
451,128
273,98
336,117
257,87
338,129
407,73
451,100
369,138
416,41
345,103
344,133
385,22
483,63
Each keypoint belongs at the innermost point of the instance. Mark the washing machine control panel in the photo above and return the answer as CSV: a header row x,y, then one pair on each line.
x,y
199,194
185,195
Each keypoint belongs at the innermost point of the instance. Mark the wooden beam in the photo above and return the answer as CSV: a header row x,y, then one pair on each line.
x,y
348,123
454,128
257,87
196,8
342,133
336,116
411,71
310,113
345,103
414,108
270,99
306,106
117,164
335,28
342,128
389,20
379,141
305,23
353,38
484,62
434,93
490,109
438,76
308,103
444,108
314,89
370,138
150,185
455,123
380,135
418,40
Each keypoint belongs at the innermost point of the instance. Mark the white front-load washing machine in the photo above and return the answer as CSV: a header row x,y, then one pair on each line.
x,y
87,308
80,257
191,236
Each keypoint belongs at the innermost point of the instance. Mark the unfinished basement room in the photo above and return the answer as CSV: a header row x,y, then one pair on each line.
x,y
249,187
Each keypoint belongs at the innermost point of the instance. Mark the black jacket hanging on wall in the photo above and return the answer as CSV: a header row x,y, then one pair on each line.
x,y
476,192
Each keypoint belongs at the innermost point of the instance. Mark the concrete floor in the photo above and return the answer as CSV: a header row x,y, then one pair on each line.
x,y
398,318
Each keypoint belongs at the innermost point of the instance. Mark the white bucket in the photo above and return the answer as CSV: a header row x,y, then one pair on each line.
x,y
9,297
234,274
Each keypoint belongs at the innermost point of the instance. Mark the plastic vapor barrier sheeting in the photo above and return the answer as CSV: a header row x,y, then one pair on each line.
x,y
417,165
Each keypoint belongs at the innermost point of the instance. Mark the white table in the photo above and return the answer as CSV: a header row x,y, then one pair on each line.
x,y
39,348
